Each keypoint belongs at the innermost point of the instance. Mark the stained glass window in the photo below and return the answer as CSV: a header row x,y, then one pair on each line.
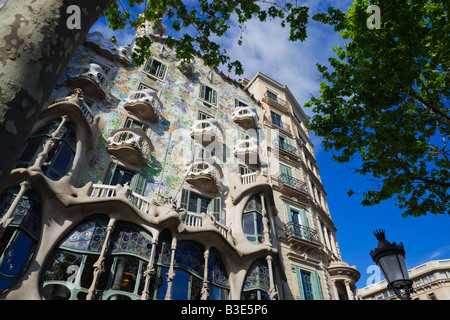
x,y
19,239
257,282
252,221
218,277
59,157
73,262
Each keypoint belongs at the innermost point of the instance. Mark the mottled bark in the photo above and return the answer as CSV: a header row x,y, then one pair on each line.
x,y
36,45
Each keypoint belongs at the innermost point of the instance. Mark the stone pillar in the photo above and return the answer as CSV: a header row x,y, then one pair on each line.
x,y
205,288
349,290
7,217
171,274
48,145
149,272
333,244
327,240
265,221
335,290
272,291
99,265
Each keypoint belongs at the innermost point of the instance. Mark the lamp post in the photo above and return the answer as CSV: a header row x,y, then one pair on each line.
x,y
390,258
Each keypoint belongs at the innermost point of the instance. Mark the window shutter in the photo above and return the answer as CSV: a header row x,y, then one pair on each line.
x,y
217,208
148,65
203,91
213,96
236,102
138,183
161,70
288,210
286,170
184,198
298,272
110,172
303,218
317,289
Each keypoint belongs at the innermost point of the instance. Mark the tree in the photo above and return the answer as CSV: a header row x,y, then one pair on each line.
x,y
386,101
208,20
36,44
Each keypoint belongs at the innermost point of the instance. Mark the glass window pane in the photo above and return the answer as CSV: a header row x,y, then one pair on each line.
x,y
180,285
64,159
87,272
63,266
204,205
31,149
193,200
16,256
7,234
162,283
126,272
196,287
56,292
249,224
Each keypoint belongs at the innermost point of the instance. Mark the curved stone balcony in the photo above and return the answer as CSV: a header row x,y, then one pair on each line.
x,y
142,103
107,49
77,98
90,79
151,28
246,117
150,208
186,68
206,131
247,150
205,175
130,145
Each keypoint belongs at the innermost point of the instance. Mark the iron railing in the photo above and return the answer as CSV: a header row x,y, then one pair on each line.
x,y
297,230
285,147
291,182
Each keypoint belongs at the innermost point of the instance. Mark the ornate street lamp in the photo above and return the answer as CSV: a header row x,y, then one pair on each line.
x,y
390,258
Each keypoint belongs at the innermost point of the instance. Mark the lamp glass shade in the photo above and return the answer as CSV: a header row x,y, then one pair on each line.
x,y
394,268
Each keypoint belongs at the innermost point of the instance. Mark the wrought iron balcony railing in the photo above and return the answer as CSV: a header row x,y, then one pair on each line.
x,y
281,124
286,147
291,182
293,229
279,101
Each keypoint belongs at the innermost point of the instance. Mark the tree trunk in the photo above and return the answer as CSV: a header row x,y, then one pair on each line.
x,y
37,41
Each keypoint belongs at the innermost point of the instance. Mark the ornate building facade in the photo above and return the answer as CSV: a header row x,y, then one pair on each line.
x,y
167,181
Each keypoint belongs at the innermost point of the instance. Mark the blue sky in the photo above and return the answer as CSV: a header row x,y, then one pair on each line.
x,y
266,49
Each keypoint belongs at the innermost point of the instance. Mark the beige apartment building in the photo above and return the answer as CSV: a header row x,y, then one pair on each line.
x,y
431,281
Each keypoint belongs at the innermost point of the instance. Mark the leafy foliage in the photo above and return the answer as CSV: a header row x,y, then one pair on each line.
x,y
199,23
386,101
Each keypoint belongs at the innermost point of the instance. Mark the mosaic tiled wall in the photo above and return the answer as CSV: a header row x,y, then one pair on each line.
x,y
180,104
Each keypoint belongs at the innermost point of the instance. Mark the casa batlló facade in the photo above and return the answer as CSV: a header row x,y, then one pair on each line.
x,y
167,181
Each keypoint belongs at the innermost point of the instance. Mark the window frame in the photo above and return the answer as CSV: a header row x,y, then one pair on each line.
x,y
159,74
214,206
13,231
210,99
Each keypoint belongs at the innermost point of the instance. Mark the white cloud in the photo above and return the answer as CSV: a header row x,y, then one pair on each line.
x,y
266,49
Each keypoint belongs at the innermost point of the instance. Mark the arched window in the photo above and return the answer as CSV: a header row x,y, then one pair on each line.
x,y
190,264
19,239
219,287
69,272
252,220
59,156
257,282
163,254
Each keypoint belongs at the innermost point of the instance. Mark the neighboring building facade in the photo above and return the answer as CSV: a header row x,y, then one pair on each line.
x,y
167,181
431,281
